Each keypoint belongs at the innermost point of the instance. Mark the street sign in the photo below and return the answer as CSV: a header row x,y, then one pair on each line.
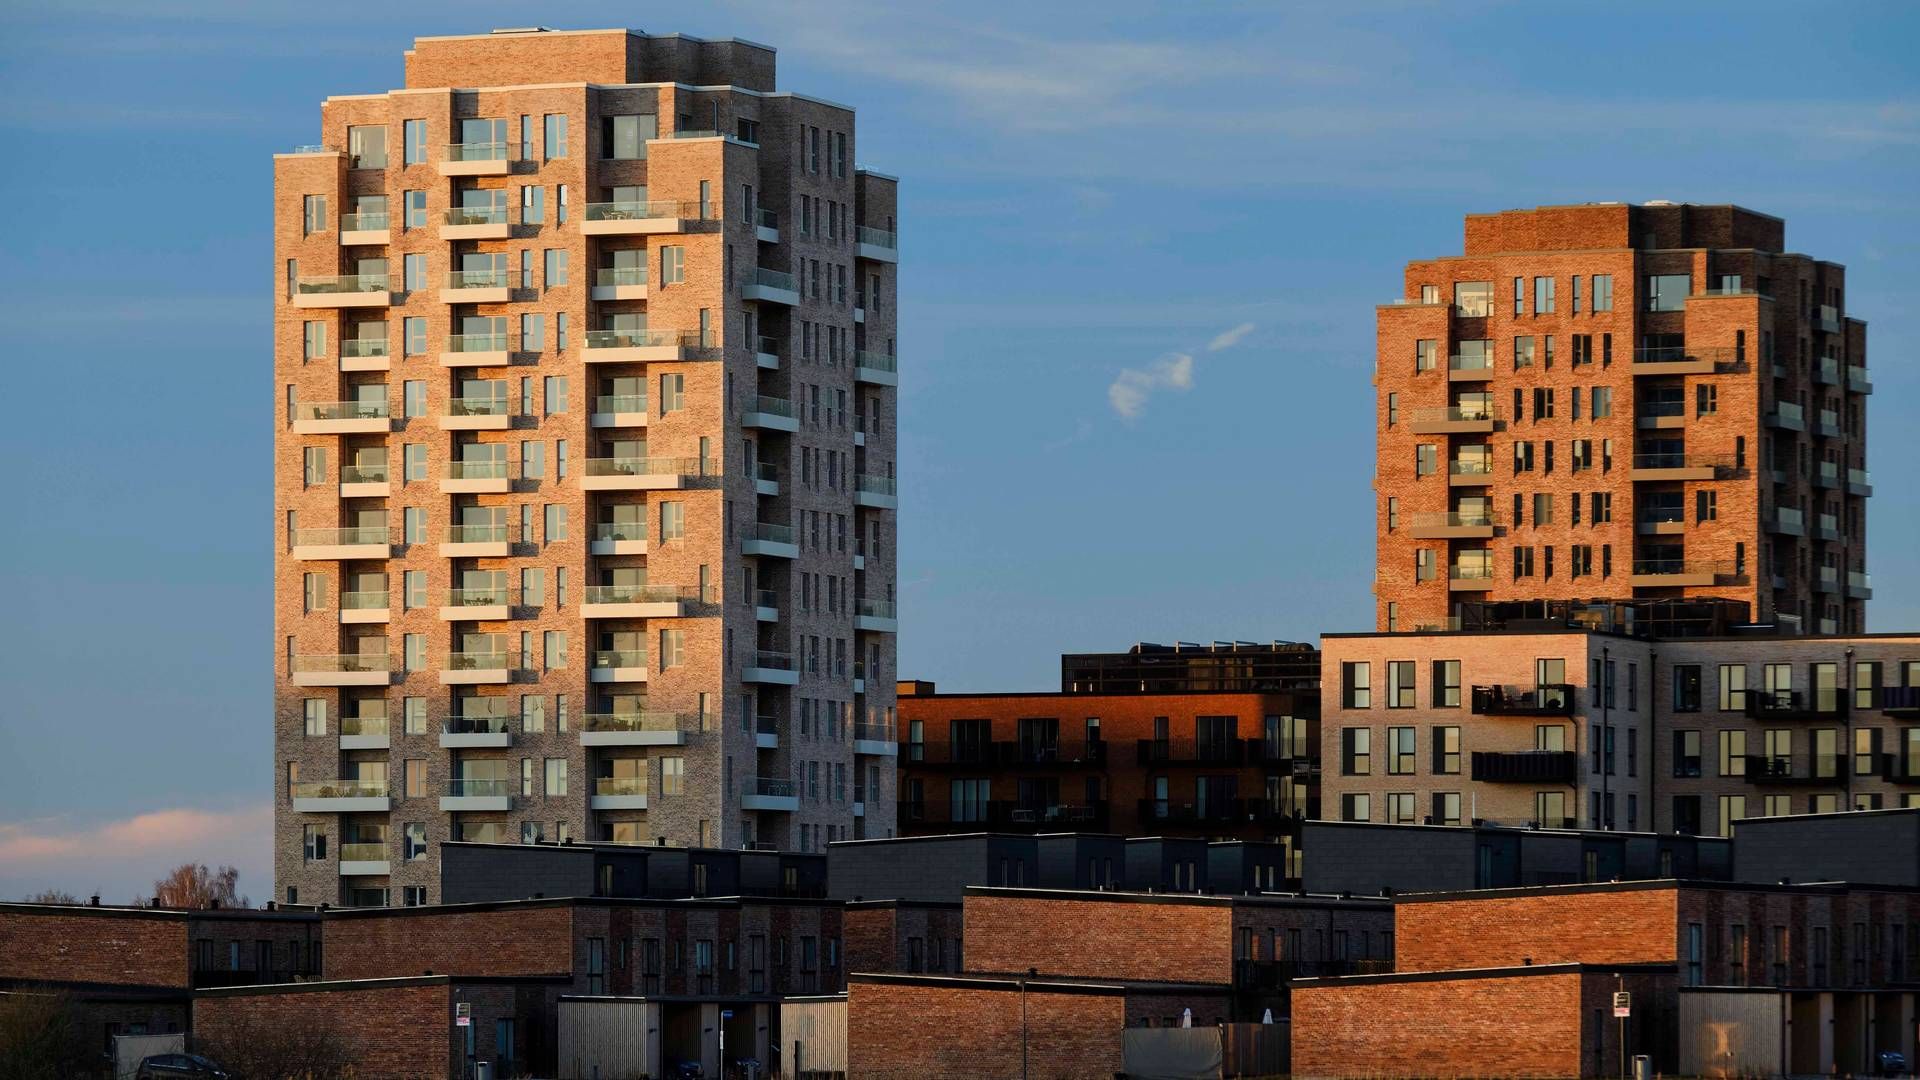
x,y
1622,1004
462,1014
726,1014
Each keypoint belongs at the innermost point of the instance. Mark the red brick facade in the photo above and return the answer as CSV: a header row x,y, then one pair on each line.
x,y
1489,930
961,1030
511,941
1103,939
152,947
393,1032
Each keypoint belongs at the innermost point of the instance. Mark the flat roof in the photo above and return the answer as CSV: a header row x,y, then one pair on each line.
x,y
1832,815
1830,888
1265,899
1515,971
130,911
716,902
1069,695
547,31
1049,984
1517,830
336,985
1654,204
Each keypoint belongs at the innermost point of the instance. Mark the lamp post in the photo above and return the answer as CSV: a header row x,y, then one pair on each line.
x,y
1031,972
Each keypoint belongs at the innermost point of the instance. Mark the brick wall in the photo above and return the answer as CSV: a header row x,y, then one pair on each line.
x,y
914,1032
393,1031
518,941
1517,1026
1153,941
1602,927
109,947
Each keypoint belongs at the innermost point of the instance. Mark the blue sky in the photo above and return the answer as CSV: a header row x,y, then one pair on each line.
x,y
1089,191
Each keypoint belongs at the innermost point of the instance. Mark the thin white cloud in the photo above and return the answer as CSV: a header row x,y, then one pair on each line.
x,y
1134,387
1227,339
122,858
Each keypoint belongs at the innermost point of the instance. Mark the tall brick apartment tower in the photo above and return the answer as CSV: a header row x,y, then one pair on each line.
x,y
584,462
1622,402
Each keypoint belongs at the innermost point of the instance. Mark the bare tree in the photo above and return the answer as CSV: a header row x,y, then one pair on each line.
x,y
40,1037
192,885
257,1048
52,896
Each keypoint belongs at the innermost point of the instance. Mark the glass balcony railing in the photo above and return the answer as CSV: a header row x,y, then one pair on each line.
x,y
1789,412
482,724
363,222
778,661
1789,518
1662,407
620,785
364,601
876,237
641,594
766,219
1829,420
479,787
343,663
1470,362
647,466
476,343
773,534
620,530
627,210
1470,572
1470,466
482,597
875,609
875,485
364,852
1455,519
477,406
362,534
773,279
1679,459
620,658
1859,579
642,339
873,731
766,598
1859,477
487,532
477,151
620,275
476,215
777,787
344,283
1682,566
343,410
620,403
1829,524
772,406
360,348
1455,414
365,725
339,789
477,279
874,361
637,721
496,469
371,473
766,470
490,660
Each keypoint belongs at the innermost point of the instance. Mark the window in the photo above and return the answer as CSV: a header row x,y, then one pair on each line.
x,y
673,776
414,461
673,520
1542,295
1400,684
1400,751
415,203
315,465
314,711
1446,751
1706,398
1426,459
414,333
1393,409
1356,807
1355,685
1446,684
673,393
673,648
555,521
533,204
556,778
555,267
1400,808
533,332
1686,753
1733,687
673,269
1602,292
1686,688
366,147
1426,352
315,346
1523,352
1356,751
1733,752
624,138
1667,292
554,649
1473,298
414,590
414,137
1706,506
555,136
315,219
1424,564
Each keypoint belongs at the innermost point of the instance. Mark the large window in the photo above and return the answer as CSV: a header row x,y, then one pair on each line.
x,y
1686,688
556,136
1356,751
624,138
1668,292
366,147
1446,751
1473,298
1446,684
1400,751
1733,687
1356,685
1686,753
1400,684
1733,752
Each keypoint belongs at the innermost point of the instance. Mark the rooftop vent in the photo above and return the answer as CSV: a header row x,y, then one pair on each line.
x,y
1660,202
524,30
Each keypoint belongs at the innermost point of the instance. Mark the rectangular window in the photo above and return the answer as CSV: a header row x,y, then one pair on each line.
x,y
416,209
1542,295
415,138
533,204
533,332
1356,687
367,147
315,219
555,265
556,778
1400,751
673,270
1446,751
1603,292
1400,684
1446,684
555,136
1356,751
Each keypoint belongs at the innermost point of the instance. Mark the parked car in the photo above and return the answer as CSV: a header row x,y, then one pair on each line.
x,y
684,1069
1892,1063
179,1067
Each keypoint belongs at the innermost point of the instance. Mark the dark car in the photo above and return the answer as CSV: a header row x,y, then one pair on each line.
x,y
1892,1063
178,1067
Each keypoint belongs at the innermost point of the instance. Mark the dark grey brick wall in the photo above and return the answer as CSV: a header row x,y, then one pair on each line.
x,y
1873,848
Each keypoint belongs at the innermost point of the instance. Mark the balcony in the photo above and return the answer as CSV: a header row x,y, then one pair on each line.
x,y
1827,319
1469,577
364,733
772,541
1477,524
1827,426
640,346
1669,467
468,732
878,369
351,669
1900,700
619,410
771,286
766,226
768,793
879,740
362,860
342,418
1681,573
365,607
1470,472
1859,482
1002,816
1526,767
1859,585
364,481
878,616
879,245
1826,474
619,666
1787,521
1827,526
880,492
1787,416
1794,705
1276,974
766,606
478,793
1683,360
1858,381
773,668
636,729
475,159
343,291
365,354
766,478
488,540
1224,753
478,413
476,350
1826,579
1474,419
485,477
475,223
766,733
1820,770
639,474
619,538
638,601
1660,415
1469,368
369,542
630,218
1549,699
767,354
341,797
1826,371
620,283
476,605
770,413
1156,814
476,287
492,666
358,229
618,793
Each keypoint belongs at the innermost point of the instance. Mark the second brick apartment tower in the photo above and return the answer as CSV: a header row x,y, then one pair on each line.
x,y
584,462
1622,402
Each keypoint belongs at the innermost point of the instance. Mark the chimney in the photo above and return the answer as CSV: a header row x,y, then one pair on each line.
x,y
94,900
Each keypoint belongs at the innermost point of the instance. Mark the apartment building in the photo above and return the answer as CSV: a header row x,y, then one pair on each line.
x,y
1573,727
1226,764
1187,667
584,464
1622,402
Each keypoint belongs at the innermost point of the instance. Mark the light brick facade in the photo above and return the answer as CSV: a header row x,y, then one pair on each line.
x,y
1623,402
616,304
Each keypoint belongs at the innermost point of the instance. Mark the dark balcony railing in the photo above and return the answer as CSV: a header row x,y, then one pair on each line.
x,y
1004,815
1897,768
1548,699
1040,754
208,979
1231,752
1793,705
1900,699
1273,974
1818,770
1526,766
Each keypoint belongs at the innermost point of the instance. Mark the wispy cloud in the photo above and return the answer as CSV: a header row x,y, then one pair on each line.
x,y
1133,387
122,857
